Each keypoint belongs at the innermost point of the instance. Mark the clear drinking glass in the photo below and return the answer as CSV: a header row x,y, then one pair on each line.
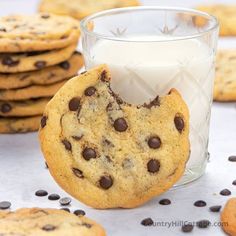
x,y
150,50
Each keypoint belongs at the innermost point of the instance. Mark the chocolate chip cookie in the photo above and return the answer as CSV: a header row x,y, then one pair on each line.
x,y
20,62
80,8
108,153
225,82
34,91
42,222
26,33
228,217
49,75
19,124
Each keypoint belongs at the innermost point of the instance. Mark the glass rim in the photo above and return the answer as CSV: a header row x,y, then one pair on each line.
x,y
84,22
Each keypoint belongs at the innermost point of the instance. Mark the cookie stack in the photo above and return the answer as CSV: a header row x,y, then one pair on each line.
x,y
37,56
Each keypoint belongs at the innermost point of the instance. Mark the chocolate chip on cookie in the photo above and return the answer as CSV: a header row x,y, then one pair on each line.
x,y
154,142
106,182
65,65
179,123
44,121
120,125
153,166
8,61
40,64
89,153
78,173
48,227
67,144
74,104
90,91
6,107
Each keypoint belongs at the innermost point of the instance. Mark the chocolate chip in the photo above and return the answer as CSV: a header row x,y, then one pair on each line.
x,y
48,227
65,65
200,203
84,72
78,173
234,182
2,29
215,208
41,193
45,16
120,125
203,224
103,76
147,222
44,121
87,225
225,192
153,166
154,142
179,123
8,61
74,104
187,228
5,205
65,201
65,209
79,213
53,197
77,137
232,158
6,107
90,91
40,64
89,153
67,144
165,202
106,182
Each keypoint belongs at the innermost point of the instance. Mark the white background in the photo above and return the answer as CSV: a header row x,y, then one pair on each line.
x,y
22,170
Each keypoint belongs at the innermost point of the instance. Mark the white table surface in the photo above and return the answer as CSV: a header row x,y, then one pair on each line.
x,y
22,169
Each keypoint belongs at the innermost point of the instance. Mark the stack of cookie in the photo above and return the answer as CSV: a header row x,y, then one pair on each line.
x,y
37,56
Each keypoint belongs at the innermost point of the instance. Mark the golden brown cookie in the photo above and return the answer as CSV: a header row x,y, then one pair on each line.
x,y
34,91
225,81
100,149
228,217
39,32
20,62
19,124
225,14
43,222
80,8
49,75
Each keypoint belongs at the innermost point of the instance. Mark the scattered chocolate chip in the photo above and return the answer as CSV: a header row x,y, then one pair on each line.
x,y
179,123
5,205
74,104
225,192
6,107
234,182
147,222
65,201
67,144
203,224
153,166
103,76
232,158
2,29
215,208
44,121
77,137
154,142
45,16
48,227
90,91
65,209
106,182
40,64
165,202
8,61
79,212
187,228
53,197
78,173
89,153
41,193
87,225
200,203
120,125
65,65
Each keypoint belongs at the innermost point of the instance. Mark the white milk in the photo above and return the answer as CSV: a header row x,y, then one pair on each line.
x,y
142,70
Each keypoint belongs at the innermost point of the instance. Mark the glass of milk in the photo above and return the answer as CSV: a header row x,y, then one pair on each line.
x,y
150,50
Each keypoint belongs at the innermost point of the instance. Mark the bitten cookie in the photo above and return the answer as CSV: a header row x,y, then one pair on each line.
x,y
225,81
34,91
100,149
49,75
228,217
225,14
42,222
19,125
80,8
20,62
20,33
